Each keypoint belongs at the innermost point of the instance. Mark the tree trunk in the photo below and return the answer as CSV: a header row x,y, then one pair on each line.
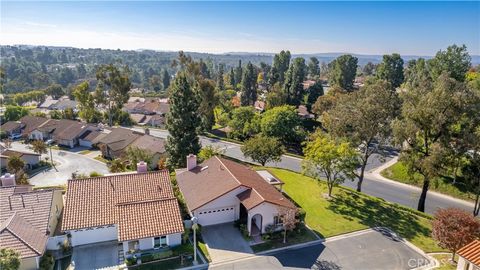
x,y
476,206
453,255
285,236
360,177
330,187
423,195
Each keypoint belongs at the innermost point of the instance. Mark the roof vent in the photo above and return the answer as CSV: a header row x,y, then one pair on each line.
x,y
204,168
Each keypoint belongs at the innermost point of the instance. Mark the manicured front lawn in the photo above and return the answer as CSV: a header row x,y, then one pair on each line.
x,y
101,159
445,263
299,235
203,248
351,211
443,184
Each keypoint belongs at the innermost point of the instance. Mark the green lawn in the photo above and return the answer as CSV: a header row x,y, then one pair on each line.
x,y
350,211
299,235
204,250
84,152
445,263
443,184
101,159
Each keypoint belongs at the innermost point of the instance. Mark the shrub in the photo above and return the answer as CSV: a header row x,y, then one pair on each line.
x,y
130,261
95,174
47,261
301,214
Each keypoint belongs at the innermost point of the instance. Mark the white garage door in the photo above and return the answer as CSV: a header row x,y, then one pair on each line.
x,y
94,235
216,216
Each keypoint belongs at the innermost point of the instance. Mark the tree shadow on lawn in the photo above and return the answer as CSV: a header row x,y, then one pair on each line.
x,y
374,212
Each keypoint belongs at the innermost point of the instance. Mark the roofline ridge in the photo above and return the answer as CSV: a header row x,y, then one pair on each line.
x,y
145,201
117,174
5,223
21,239
226,167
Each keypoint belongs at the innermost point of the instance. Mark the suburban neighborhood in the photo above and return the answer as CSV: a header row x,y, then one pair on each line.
x,y
239,135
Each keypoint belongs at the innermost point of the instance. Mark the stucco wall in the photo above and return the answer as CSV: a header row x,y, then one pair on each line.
x,y
174,239
55,211
267,210
29,263
94,235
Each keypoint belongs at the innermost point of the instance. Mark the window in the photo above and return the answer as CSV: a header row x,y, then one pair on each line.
x,y
160,241
277,221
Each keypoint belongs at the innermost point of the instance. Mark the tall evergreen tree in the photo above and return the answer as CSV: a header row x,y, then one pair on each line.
x,y
220,83
249,86
391,70
165,79
182,122
343,71
294,81
313,68
231,78
238,72
280,65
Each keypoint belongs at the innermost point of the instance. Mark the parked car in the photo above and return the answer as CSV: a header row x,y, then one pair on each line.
x,y
15,136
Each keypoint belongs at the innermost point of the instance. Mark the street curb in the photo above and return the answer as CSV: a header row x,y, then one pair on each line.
x,y
297,246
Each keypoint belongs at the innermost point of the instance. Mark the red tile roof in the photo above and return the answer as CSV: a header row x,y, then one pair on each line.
x,y
217,176
471,252
141,204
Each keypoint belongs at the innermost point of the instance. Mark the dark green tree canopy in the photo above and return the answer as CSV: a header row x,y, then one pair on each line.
x,y
455,61
249,86
391,70
294,78
343,71
313,68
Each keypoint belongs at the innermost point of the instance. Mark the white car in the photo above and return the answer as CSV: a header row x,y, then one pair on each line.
x,y
15,136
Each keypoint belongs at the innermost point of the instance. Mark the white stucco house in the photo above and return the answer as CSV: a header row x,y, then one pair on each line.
x,y
469,256
220,191
138,210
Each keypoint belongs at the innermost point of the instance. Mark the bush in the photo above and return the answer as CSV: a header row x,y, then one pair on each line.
x,y
130,261
148,257
47,261
182,249
95,174
301,214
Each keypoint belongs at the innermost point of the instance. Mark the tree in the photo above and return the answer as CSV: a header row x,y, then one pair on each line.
x,y
342,72
14,113
9,259
210,151
455,61
244,122
231,79
313,93
117,165
15,165
328,101
471,172
416,73
329,158
313,68
135,155
220,83
288,216
391,70
263,149
423,127
364,117
87,103
249,86
208,99
116,84
276,97
454,228
165,79
39,147
238,72
280,65
55,90
182,122
282,123
369,69
294,78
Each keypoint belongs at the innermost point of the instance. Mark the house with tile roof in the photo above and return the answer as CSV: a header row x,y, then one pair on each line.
x,y
221,190
28,218
139,210
469,256
64,132
31,159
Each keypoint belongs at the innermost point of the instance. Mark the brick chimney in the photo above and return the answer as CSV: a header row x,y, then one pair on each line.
x,y
191,162
8,180
142,167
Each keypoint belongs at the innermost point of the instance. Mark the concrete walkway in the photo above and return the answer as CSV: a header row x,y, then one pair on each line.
x,y
225,242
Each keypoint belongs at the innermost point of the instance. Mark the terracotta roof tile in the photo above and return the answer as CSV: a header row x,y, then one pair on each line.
x,y
217,176
471,252
11,126
108,200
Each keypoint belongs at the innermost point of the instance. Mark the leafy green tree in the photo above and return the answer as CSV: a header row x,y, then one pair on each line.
x,y
249,86
9,259
210,151
244,122
165,79
39,147
135,155
14,113
116,84
183,122
280,65
364,117
313,93
329,158
343,71
294,78
231,79
471,172
276,97
263,149
238,72
55,114
68,113
15,165
208,100
427,114
87,103
281,122
313,68
455,61
416,73
117,165
220,83
391,70
55,90
369,69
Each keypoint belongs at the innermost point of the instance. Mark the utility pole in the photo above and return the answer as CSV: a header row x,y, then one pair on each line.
x,y
194,227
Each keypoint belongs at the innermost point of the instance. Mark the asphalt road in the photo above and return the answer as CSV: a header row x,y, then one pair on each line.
x,y
67,163
372,185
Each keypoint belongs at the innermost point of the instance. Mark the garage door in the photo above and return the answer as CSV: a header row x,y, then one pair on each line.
x,y
216,216
94,235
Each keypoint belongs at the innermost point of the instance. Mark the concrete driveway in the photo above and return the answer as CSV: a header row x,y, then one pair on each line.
x,y
96,256
68,162
225,242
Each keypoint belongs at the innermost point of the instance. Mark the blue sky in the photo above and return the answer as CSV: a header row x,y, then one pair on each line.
x,y
414,28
